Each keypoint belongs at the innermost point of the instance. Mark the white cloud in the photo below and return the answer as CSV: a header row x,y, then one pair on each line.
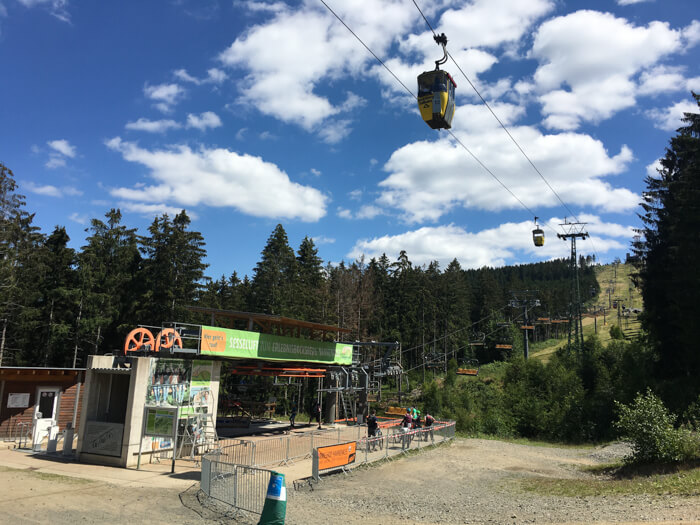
x,y
152,126
322,239
269,7
652,169
691,34
205,120
219,178
662,79
57,8
630,2
80,219
287,57
491,247
315,172
214,76
60,150
165,96
368,211
587,63
335,131
344,213
55,161
429,178
49,190
355,195
491,23
146,209
63,147
669,119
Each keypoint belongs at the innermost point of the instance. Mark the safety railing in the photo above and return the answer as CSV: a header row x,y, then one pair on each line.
x,y
243,487
285,449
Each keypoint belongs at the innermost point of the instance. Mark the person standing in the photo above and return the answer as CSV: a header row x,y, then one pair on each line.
x,y
292,416
316,413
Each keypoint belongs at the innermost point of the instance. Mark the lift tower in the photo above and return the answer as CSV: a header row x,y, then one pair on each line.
x,y
573,231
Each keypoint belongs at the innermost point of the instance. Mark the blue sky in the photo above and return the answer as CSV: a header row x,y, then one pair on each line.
x,y
248,114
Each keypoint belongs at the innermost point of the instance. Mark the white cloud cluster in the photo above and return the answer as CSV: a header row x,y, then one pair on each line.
x,y
589,62
491,23
289,56
214,76
61,150
57,8
165,96
489,247
218,178
669,118
50,190
428,178
205,120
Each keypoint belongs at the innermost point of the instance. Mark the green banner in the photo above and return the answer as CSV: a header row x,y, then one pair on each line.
x,y
253,345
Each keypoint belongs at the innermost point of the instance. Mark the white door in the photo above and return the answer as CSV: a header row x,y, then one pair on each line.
x,y
45,412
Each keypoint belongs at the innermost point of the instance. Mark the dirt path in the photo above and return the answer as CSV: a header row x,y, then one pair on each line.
x,y
469,481
477,481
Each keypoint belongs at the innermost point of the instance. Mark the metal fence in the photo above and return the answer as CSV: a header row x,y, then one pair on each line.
x,y
286,449
240,486
232,474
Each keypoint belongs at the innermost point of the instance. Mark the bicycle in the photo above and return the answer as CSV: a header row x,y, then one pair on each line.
x,y
375,441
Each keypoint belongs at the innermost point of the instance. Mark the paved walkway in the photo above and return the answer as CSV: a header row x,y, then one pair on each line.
x,y
150,475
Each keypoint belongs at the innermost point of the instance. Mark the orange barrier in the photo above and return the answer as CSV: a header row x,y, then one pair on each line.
x,y
336,455
395,411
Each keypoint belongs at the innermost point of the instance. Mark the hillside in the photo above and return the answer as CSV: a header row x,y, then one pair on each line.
x,y
615,286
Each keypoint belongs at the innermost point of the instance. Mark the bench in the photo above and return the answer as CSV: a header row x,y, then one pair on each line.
x,y
395,411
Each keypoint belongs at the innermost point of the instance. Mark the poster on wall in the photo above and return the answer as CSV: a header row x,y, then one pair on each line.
x,y
160,422
18,400
200,386
104,439
169,382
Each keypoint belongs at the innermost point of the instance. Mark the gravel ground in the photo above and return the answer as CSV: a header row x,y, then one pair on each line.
x,y
476,481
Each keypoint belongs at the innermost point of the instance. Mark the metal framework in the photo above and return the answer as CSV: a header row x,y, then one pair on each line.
x,y
573,231
525,299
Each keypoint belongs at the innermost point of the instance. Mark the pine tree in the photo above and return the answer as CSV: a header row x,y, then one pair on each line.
x,y
173,270
20,269
310,282
58,299
272,288
668,255
109,279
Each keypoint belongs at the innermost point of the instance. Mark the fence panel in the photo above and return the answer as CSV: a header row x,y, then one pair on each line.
x,y
242,453
271,451
251,488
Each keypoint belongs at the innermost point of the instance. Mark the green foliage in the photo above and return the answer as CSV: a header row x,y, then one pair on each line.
x,y
648,424
667,262
616,332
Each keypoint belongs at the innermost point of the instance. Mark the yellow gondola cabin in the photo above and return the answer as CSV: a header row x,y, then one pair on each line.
x,y
436,98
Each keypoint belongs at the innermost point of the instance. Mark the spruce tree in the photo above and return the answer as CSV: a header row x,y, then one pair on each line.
x,y
273,284
668,254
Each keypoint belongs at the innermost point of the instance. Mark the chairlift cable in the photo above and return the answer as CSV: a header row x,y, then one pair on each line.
x,y
414,96
507,132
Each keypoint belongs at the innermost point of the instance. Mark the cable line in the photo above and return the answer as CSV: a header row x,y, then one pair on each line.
x,y
483,100
507,131
414,96
470,327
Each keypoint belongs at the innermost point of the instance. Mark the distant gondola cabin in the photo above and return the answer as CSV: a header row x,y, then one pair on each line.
x,y
436,98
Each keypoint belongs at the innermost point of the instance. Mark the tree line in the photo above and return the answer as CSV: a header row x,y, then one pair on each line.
x,y
58,304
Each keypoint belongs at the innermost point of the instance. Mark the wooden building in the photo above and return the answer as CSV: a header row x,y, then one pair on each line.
x,y
32,399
